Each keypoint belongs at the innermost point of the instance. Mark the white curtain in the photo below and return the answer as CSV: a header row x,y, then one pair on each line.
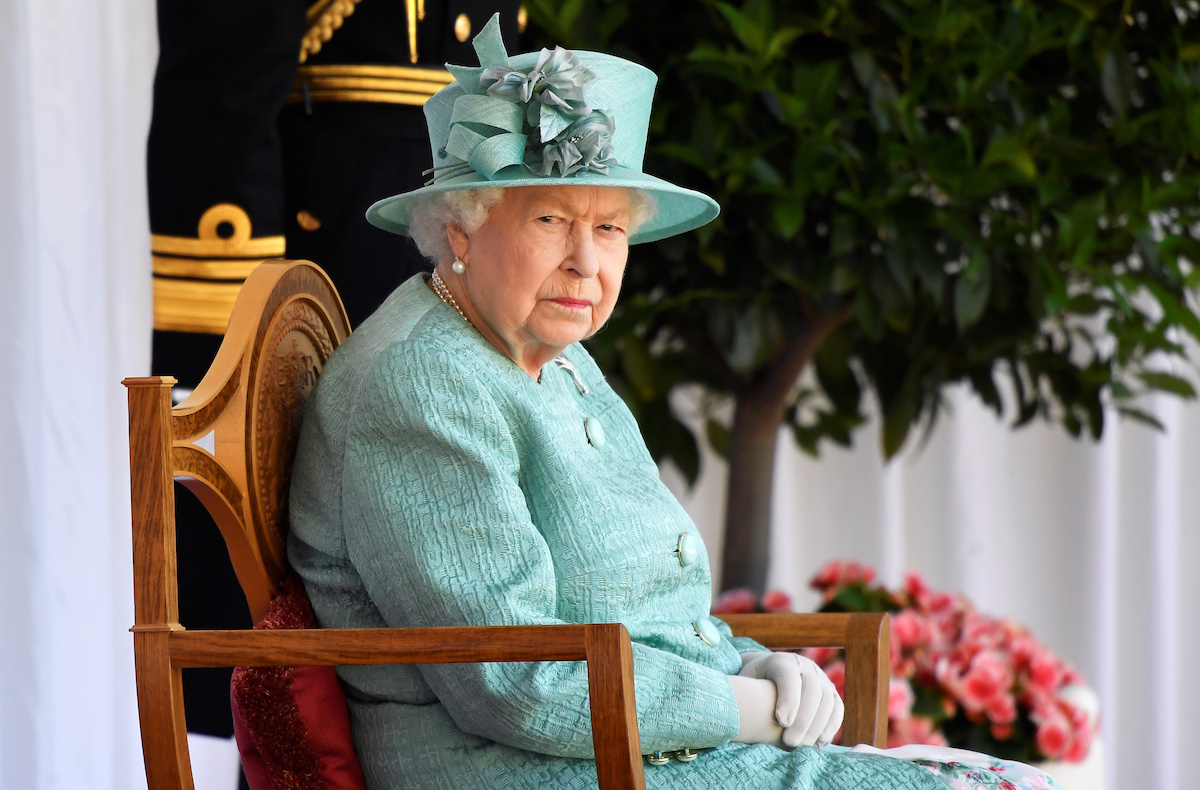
x,y
75,81
1095,547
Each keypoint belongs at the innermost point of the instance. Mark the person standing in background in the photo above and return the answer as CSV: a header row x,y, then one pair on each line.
x,y
276,123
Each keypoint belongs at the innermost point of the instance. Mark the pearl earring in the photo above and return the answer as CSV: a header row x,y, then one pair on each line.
x,y
459,266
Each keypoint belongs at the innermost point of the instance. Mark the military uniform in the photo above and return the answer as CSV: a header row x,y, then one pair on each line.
x,y
275,124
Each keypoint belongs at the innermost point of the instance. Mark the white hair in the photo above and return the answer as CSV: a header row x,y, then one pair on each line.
x,y
467,210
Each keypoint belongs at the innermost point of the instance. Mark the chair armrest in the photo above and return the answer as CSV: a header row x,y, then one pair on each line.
x,y
334,646
605,648
867,639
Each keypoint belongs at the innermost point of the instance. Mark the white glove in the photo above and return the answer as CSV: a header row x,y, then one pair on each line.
x,y
756,711
807,706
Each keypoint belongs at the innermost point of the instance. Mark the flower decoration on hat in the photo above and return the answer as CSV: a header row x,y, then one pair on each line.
x,y
586,144
547,119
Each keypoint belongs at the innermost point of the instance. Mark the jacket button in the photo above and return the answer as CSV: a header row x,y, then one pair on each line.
x,y
595,432
707,632
688,550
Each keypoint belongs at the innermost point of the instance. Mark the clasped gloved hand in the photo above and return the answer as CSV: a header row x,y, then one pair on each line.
x,y
785,699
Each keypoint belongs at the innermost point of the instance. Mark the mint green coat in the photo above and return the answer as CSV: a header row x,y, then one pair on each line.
x,y
437,484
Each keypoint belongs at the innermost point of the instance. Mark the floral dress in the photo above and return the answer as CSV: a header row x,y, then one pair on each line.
x,y
966,770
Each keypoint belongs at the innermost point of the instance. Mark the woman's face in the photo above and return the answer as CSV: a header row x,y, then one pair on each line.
x,y
544,269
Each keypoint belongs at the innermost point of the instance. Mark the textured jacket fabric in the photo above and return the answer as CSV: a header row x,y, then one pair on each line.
x,y
437,484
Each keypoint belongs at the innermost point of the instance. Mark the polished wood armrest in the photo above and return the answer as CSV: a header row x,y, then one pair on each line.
x,y
605,647
867,639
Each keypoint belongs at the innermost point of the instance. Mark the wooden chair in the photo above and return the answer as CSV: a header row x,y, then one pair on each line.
x,y
232,443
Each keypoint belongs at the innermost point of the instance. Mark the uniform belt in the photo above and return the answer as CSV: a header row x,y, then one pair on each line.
x,y
410,85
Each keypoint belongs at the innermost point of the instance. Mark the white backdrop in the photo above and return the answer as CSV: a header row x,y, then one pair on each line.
x,y
1092,546
74,320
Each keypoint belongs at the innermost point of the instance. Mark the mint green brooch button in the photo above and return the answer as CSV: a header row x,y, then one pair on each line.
x,y
707,631
595,432
688,550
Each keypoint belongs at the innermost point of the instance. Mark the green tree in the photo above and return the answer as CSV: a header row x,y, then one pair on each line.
x,y
915,193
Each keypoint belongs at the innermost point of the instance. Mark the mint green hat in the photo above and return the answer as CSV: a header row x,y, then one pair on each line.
x,y
539,119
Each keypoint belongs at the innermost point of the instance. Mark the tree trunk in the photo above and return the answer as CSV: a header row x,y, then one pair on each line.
x,y
752,441
757,414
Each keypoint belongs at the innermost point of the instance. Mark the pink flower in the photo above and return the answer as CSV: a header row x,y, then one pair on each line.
x,y
820,655
900,699
903,667
1045,671
910,630
840,573
1054,737
915,586
737,601
1001,732
777,601
916,729
836,672
988,676
1081,744
1002,709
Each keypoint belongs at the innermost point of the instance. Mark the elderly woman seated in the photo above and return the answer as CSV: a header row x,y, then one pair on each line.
x,y
463,462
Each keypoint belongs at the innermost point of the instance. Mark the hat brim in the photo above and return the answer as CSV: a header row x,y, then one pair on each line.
x,y
679,209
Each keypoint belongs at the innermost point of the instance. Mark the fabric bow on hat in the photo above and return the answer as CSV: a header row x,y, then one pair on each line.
x,y
554,117
544,120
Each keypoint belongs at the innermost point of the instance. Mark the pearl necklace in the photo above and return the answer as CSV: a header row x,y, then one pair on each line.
x,y
439,287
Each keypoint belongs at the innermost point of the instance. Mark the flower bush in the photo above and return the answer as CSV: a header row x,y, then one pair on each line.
x,y
959,678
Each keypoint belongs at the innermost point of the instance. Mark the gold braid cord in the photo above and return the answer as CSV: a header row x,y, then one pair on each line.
x,y
197,279
324,17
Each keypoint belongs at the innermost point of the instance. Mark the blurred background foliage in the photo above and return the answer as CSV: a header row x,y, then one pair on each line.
x,y
915,193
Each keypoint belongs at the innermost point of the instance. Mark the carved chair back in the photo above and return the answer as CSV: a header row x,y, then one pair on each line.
x,y
232,441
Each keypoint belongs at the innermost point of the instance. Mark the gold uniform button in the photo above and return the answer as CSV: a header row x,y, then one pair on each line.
x,y
307,221
462,27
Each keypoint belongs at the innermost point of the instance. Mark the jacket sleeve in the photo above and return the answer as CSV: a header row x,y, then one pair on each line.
x,y
744,644
438,529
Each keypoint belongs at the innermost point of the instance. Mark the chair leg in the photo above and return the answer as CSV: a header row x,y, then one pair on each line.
x,y
868,670
614,711
160,709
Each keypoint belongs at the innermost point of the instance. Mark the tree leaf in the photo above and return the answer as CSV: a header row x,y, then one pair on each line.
x,y
638,366
743,27
684,451
779,42
789,217
1117,80
1145,418
569,13
972,290
1010,151
765,173
718,437
899,415
1169,383
985,387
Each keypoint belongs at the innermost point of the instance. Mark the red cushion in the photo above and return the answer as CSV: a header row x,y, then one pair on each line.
x,y
291,723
